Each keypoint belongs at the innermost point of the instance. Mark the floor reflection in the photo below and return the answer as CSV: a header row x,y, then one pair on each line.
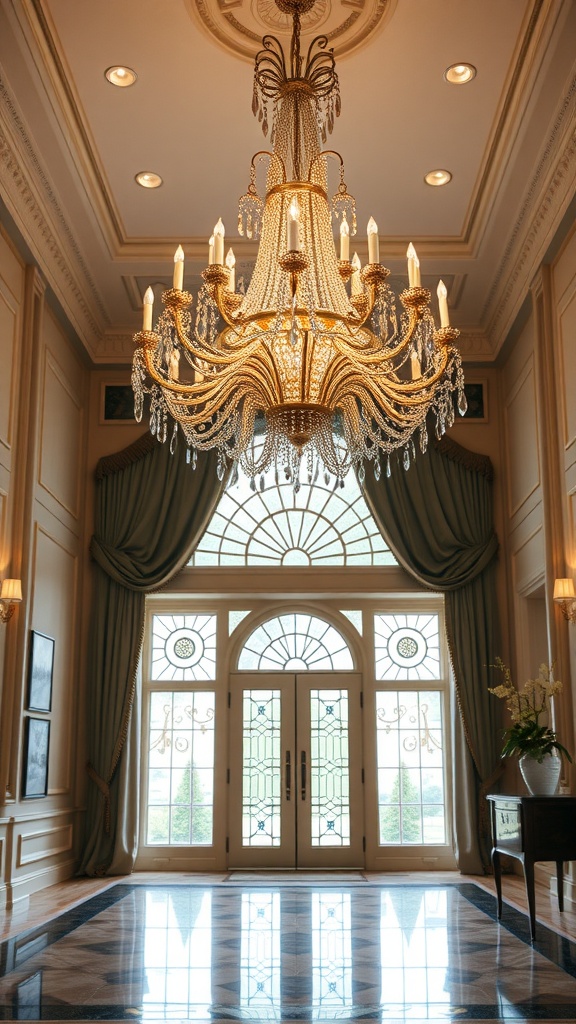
x,y
308,953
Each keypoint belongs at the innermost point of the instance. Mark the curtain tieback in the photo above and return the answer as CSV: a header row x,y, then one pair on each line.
x,y
105,790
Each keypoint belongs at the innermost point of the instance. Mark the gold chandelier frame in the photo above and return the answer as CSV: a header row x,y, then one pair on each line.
x,y
296,357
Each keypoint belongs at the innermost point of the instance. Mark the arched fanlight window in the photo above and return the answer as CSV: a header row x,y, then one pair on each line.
x,y
319,525
296,642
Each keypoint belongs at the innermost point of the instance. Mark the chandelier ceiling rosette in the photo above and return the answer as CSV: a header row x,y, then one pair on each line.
x,y
314,354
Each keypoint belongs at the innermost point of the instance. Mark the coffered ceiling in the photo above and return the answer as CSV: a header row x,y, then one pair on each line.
x,y
72,143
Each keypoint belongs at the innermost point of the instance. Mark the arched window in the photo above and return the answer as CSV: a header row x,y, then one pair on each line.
x,y
295,643
318,525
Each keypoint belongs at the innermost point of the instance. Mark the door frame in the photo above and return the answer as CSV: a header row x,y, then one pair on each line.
x,y
295,772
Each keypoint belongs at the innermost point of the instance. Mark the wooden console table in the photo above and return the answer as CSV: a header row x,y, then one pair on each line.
x,y
532,828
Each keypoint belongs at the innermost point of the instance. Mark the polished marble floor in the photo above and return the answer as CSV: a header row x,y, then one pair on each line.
x,y
237,948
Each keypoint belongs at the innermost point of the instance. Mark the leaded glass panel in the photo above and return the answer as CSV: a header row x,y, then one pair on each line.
x,y
319,525
329,768
261,769
183,647
410,760
295,643
407,647
180,769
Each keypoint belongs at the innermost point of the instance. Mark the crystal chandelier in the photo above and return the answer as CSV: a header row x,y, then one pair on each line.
x,y
333,378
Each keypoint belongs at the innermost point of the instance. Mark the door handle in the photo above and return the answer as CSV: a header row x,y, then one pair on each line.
x,y
288,769
303,774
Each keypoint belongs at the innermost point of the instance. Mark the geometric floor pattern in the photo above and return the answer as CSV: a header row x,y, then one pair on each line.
x,y
288,952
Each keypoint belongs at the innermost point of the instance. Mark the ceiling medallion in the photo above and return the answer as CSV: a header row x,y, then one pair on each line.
x,y
239,25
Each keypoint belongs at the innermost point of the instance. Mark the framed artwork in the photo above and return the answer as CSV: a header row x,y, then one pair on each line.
x,y
28,998
117,404
36,749
40,670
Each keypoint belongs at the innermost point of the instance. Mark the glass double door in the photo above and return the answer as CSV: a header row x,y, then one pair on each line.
x,y
295,771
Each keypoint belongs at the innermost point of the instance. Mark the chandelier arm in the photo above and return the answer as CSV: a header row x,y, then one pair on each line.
x,y
361,359
374,356
321,42
324,153
196,390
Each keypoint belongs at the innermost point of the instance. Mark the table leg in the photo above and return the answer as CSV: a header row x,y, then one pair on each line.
x,y
496,864
560,881
529,877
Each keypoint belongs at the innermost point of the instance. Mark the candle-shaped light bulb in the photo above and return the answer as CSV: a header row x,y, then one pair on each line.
x,y
231,263
373,242
344,239
147,309
442,293
356,283
211,250
293,226
413,267
219,242
178,268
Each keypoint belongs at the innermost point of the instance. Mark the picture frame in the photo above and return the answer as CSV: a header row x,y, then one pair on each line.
x,y
117,404
40,672
27,1001
476,392
36,751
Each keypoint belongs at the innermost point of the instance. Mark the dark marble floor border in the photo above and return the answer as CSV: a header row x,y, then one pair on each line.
x,y
561,951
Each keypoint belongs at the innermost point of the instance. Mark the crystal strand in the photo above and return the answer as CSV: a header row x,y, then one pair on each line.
x,y
174,439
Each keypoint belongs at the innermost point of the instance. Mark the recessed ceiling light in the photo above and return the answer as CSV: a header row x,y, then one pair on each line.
x,y
148,179
438,177
459,74
121,76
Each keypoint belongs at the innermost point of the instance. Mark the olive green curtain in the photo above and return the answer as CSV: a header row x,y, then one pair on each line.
x,y
151,510
437,519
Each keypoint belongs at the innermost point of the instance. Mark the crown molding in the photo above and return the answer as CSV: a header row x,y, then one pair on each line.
x,y
545,202
35,209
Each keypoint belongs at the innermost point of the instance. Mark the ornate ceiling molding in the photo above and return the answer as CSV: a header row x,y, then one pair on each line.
x,y
34,207
238,25
546,200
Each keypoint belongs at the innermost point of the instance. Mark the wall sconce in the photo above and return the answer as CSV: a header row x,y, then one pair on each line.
x,y
565,596
10,596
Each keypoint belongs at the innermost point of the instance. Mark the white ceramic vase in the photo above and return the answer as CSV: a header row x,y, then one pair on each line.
x,y
541,778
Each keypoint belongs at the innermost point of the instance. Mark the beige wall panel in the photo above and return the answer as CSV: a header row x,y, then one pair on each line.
x,y
9,353
571,549
61,450
54,612
41,841
522,350
522,438
529,562
567,373
525,528
11,267
4,537
564,269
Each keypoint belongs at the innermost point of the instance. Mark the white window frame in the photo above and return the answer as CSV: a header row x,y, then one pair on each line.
x,y
323,591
